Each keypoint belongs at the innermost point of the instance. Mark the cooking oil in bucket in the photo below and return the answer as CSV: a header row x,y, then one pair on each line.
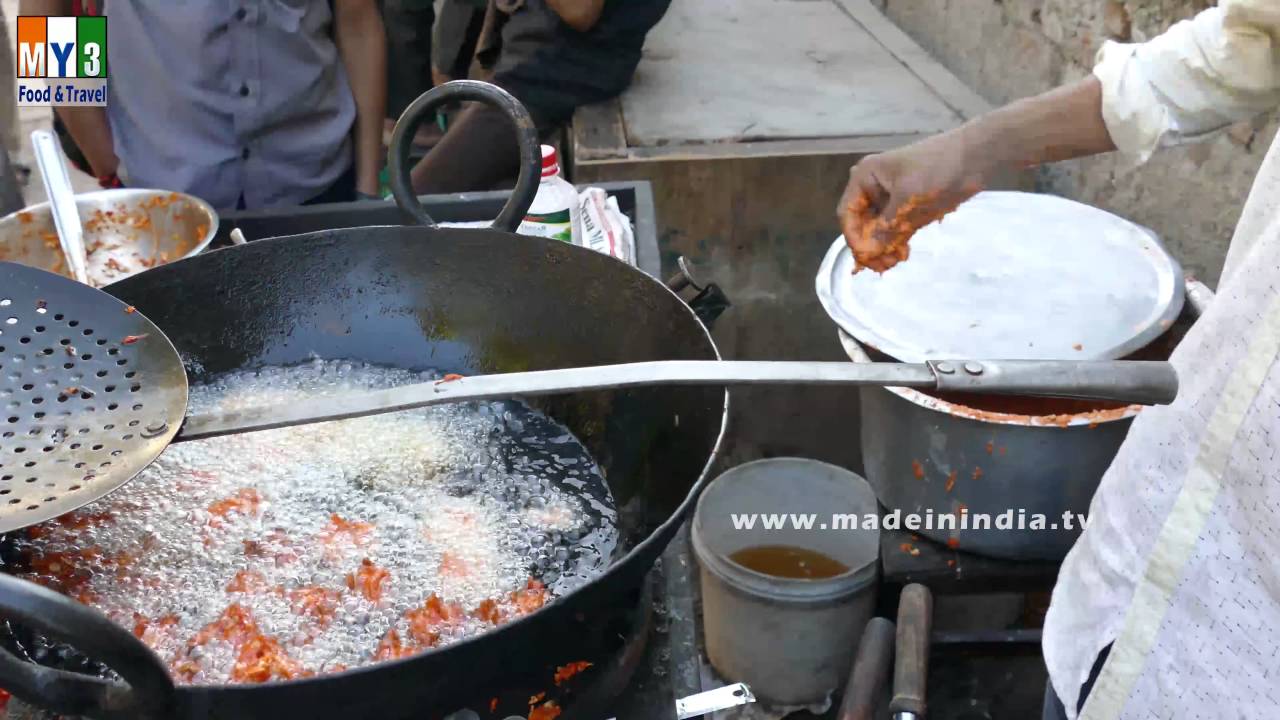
x,y
784,606
788,561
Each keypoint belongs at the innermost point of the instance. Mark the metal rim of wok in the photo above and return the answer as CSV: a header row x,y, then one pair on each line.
x,y
398,683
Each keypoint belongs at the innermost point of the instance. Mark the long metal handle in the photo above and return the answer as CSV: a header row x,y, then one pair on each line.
x,y
62,199
1133,382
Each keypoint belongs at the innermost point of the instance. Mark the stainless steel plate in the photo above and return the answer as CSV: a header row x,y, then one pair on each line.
x,y
1011,275
84,406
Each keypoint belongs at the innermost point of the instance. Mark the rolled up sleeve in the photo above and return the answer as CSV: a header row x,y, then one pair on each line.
x,y
1200,76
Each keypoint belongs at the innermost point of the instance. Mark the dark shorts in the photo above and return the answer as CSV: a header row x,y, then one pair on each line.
x,y
554,70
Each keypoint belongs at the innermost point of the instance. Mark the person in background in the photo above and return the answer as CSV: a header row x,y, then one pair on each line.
x,y
1168,606
8,74
247,104
409,26
556,56
456,38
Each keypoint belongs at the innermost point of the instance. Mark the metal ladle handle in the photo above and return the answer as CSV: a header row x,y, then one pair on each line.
x,y
1122,381
399,163
147,691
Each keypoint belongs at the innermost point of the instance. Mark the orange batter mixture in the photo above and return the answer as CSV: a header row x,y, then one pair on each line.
x,y
878,241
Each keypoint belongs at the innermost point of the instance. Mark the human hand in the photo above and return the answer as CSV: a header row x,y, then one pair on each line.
x,y
893,194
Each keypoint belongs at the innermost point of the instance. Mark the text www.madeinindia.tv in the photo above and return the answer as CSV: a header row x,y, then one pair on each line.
x,y
897,520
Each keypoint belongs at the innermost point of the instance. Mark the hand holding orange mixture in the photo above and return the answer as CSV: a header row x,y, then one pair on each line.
x,y
879,241
893,194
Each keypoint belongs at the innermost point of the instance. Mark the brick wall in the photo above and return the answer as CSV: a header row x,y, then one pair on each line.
x,y
1006,49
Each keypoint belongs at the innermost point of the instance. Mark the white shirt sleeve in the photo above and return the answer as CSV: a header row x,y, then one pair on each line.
x,y
1199,77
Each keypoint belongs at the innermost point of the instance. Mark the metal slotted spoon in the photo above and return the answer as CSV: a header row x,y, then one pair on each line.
x,y
92,392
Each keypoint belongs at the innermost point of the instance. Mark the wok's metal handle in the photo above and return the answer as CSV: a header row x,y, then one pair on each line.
x,y
399,163
871,670
710,301
911,666
148,692
1145,382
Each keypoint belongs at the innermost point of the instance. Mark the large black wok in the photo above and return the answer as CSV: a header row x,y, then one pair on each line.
x,y
465,301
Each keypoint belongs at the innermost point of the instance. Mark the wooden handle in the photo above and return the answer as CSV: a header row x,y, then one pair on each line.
x,y
911,667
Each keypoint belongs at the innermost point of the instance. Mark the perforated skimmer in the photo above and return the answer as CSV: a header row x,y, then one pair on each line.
x,y
92,391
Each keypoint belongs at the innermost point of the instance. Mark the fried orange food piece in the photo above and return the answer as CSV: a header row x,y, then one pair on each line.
x,y
489,612
368,580
426,622
246,581
262,659
244,502
275,544
565,672
152,632
879,242
320,604
350,531
258,657
390,647
546,711
529,599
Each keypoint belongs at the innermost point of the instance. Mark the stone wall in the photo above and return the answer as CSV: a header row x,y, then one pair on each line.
x,y
1007,49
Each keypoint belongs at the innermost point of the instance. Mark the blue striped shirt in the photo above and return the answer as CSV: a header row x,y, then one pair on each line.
x,y
227,99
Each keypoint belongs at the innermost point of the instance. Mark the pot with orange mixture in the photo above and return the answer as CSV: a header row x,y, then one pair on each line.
x,y
126,231
1011,276
990,475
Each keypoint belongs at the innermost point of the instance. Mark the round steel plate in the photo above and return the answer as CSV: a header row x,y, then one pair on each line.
x,y
1011,276
91,392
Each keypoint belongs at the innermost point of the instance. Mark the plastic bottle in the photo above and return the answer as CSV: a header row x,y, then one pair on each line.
x,y
555,209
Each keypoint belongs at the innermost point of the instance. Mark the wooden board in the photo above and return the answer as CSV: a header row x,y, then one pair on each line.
x,y
735,70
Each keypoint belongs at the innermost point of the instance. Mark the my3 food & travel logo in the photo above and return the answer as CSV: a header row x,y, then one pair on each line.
x,y
62,60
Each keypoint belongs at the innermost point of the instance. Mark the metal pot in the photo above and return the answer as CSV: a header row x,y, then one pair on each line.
x,y
135,228
941,461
